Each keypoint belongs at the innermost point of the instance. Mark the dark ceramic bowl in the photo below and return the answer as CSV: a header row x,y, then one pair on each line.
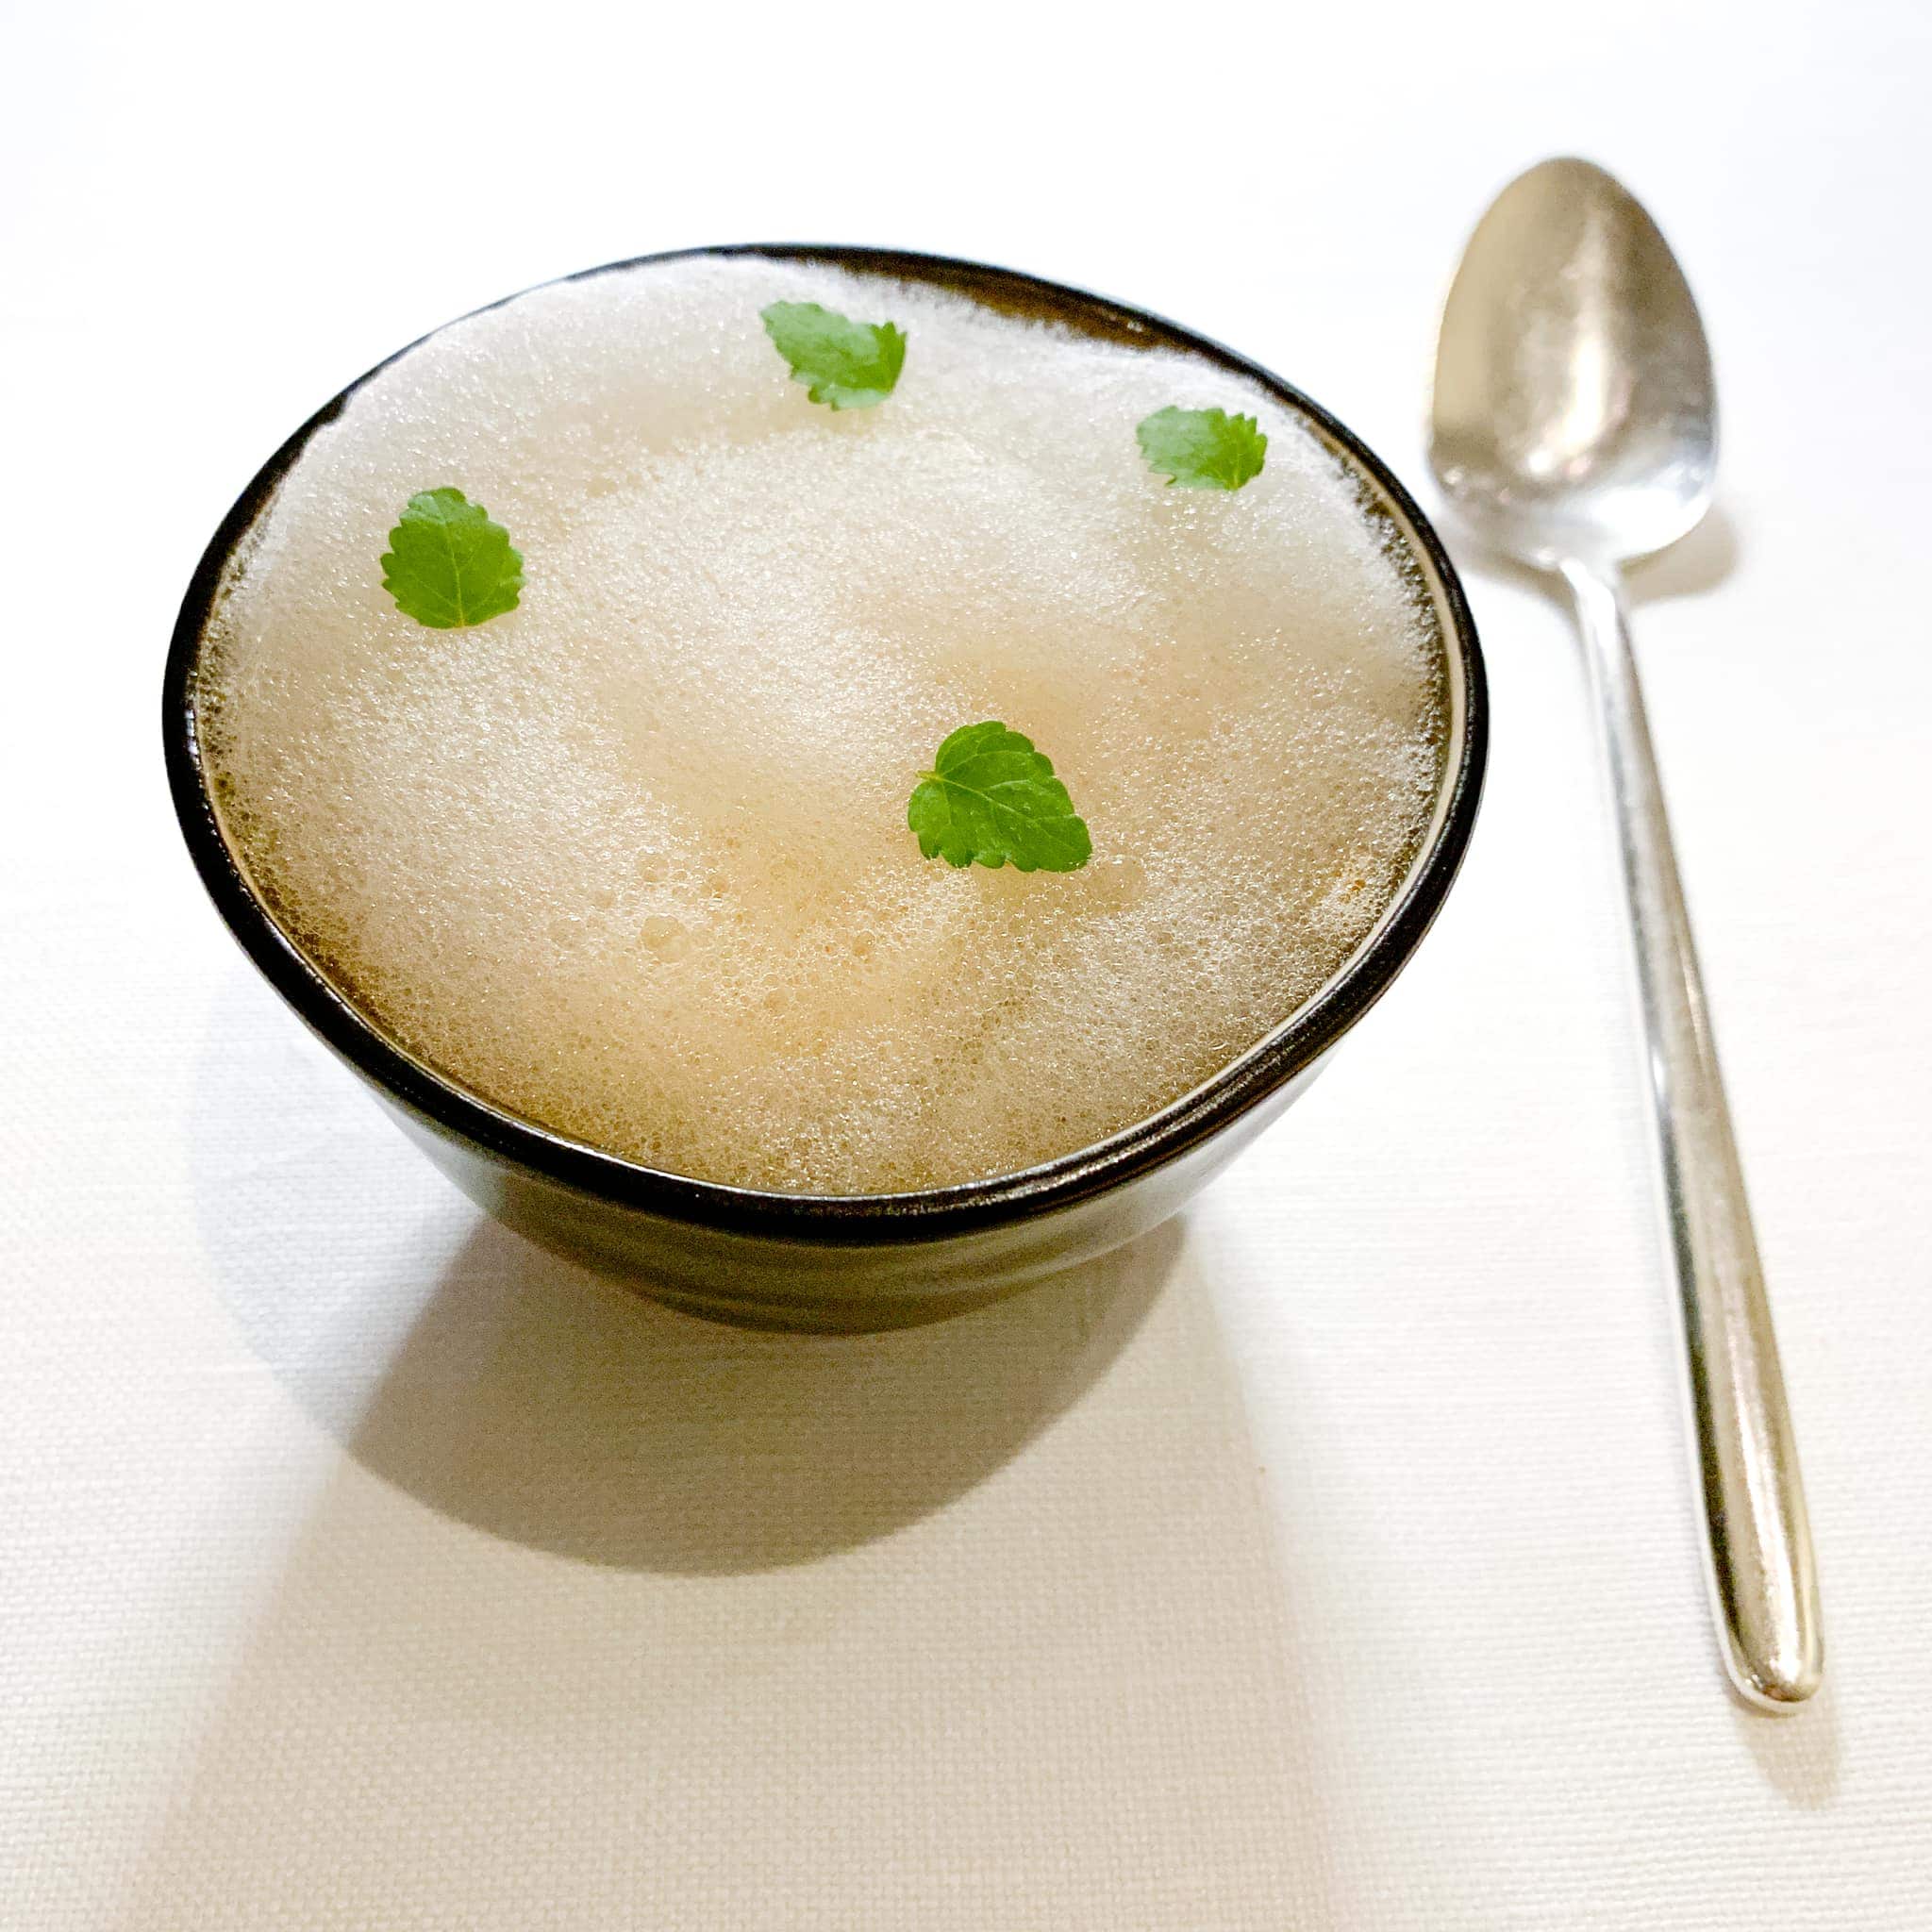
x,y
867,1260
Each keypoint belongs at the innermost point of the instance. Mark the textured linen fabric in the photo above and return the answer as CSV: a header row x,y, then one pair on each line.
x,y
1327,1560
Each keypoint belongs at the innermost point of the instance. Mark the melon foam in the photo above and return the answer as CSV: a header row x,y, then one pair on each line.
x,y
631,862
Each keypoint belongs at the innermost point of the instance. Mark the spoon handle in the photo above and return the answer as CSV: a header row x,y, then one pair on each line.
x,y
1763,1580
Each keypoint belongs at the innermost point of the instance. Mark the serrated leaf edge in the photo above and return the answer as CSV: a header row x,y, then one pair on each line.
x,y
1205,479
886,335
993,858
513,583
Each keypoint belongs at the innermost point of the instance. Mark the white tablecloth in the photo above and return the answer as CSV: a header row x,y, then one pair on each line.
x,y
1326,1561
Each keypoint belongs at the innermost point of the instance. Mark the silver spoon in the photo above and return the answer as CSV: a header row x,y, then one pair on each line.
x,y
1574,429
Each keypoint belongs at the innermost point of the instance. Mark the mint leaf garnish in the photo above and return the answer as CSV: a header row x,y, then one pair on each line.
x,y
448,565
847,365
1202,449
991,797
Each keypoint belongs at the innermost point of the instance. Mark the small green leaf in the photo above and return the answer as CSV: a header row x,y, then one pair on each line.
x,y
1202,449
992,797
847,365
448,565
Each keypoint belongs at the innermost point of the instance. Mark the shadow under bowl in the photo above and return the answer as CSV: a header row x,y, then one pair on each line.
x,y
862,1262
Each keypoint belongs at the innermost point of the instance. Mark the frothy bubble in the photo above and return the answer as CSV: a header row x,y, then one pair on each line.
x,y
632,861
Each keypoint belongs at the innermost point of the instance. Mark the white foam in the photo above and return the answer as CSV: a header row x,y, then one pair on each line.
x,y
632,860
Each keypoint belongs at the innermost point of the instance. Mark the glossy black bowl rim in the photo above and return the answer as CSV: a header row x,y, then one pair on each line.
x,y
842,1219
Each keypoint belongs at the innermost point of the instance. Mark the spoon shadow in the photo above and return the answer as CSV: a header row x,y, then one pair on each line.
x,y
1799,1754
1697,564
1700,561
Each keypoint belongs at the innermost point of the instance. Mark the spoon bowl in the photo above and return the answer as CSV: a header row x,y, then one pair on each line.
x,y
1574,411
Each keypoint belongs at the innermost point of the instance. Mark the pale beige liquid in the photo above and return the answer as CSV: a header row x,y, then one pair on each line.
x,y
632,860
